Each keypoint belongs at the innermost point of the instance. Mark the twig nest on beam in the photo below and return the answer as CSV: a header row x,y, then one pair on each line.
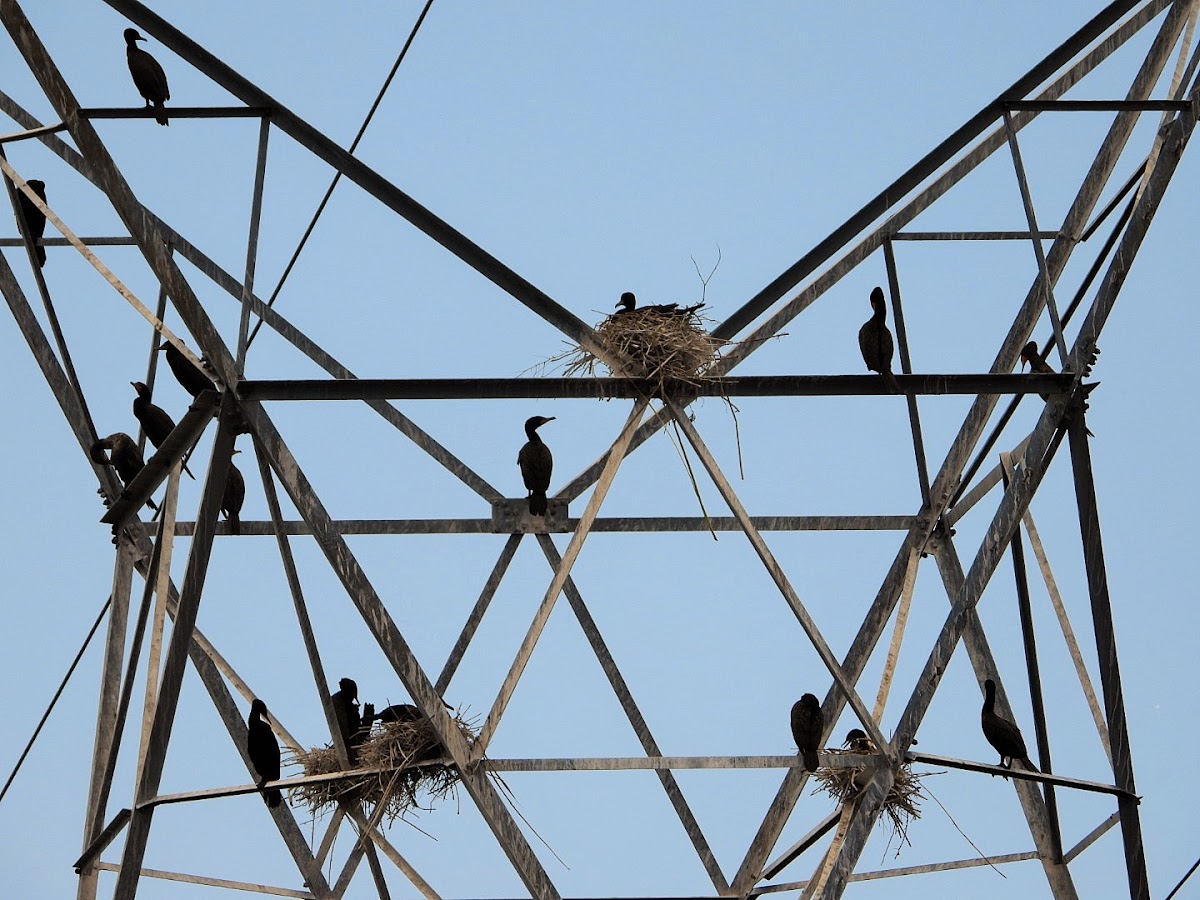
x,y
902,804
661,343
408,757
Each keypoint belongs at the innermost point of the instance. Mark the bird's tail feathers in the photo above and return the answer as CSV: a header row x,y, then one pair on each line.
x,y
160,114
235,523
1028,764
890,380
811,761
538,503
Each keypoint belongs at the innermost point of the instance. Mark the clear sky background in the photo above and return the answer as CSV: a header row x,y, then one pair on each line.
x,y
597,148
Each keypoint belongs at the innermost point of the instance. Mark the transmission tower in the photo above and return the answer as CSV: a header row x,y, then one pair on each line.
x,y
974,517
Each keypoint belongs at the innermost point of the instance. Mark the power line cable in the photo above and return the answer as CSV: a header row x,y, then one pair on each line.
x,y
338,175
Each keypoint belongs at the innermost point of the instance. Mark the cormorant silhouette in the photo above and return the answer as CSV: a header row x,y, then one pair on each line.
x,y
155,421
807,726
231,500
628,303
1002,734
875,342
858,742
345,707
191,378
263,750
148,76
123,455
536,464
35,219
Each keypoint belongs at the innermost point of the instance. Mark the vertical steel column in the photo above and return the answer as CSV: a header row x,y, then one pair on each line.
x,y
1106,651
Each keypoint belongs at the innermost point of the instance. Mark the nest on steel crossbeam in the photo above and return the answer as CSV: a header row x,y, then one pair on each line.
x,y
399,765
666,344
902,804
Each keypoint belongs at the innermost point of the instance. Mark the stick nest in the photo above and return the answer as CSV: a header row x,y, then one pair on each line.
x,y
657,345
902,804
404,754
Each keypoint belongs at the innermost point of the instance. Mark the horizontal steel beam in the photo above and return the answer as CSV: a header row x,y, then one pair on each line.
x,y
264,527
63,242
1022,774
971,235
634,388
176,112
1097,105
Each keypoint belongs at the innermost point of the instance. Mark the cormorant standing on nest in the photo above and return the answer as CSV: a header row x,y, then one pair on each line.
x,y
807,726
231,500
628,303
35,219
875,342
536,464
399,712
155,421
123,455
345,707
148,76
190,377
263,750
1002,734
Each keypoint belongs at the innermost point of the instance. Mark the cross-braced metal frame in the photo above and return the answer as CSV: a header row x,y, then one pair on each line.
x,y
948,493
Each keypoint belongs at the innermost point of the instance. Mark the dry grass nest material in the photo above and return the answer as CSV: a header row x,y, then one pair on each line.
x,y
902,803
660,346
403,752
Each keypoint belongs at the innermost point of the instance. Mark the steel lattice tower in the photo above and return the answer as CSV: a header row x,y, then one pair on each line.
x,y
953,490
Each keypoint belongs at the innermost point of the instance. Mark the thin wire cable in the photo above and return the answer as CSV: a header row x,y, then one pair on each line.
x,y
78,656
338,175
1175,890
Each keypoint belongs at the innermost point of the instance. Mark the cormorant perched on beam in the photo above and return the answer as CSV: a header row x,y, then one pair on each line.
x,y
263,750
628,303
1030,357
155,421
35,219
345,707
190,377
148,76
235,494
123,455
875,342
1002,734
807,726
536,464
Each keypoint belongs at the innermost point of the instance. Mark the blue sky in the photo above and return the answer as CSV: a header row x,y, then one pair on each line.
x,y
597,148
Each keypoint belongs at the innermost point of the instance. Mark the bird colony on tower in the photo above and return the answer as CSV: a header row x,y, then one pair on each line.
x,y
412,753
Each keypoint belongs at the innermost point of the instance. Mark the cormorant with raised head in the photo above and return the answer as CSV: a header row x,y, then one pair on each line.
x,y
155,421
1002,734
190,377
123,455
148,76
345,707
807,726
1030,357
536,464
35,219
875,342
263,750
235,494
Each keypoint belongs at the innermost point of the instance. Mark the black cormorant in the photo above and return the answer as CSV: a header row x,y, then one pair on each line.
x,y
190,377
263,750
155,421
536,464
399,712
628,303
807,726
35,219
1030,357
123,455
875,342
858,742
1002,734
235,494
345,707
148,76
